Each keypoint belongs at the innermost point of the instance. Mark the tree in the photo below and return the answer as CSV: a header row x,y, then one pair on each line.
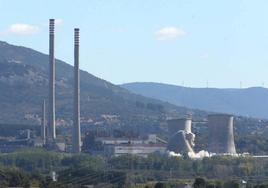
x,y
199,183
17,178
159,185
231,184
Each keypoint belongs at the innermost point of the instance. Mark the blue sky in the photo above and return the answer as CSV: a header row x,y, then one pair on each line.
x,y
178,42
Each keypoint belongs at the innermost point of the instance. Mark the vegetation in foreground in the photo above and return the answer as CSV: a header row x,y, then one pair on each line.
x,y
34,167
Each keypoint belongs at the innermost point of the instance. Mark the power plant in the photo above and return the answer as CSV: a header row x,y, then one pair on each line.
x,y
181,139
76,120
76,133
51,97
221,136
220,133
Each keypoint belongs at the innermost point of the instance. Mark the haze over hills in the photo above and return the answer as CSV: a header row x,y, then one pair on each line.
x,y
24,85
251,102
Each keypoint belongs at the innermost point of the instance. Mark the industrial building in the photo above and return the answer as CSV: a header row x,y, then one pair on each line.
x,y
142,150
175,125
221,136
48,130
11,144
152,139
139,147
181,137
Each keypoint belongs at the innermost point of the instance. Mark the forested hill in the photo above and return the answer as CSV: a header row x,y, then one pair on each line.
x,y
251,102
24,85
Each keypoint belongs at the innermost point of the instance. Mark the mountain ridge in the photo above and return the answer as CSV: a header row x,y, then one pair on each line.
x,y
245,102
24,85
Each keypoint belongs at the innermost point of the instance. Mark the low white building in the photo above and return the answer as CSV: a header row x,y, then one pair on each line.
x,y
139,149
152,139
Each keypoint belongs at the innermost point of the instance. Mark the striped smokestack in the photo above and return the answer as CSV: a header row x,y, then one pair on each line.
x,y
76,128
51,100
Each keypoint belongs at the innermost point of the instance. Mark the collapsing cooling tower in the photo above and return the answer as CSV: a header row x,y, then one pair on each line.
x,y
181,138
221,136
175,125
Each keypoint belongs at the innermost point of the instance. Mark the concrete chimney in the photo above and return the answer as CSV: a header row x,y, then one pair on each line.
x,y
76,121
221,136
43,123
51,99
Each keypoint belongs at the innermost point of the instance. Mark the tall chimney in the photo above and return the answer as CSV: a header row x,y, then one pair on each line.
x,y
51,99
43,123
76,121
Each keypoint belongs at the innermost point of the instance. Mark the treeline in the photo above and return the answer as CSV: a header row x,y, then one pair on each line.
x,y
203,183
222,167
35,166
39,160
14,177
254,144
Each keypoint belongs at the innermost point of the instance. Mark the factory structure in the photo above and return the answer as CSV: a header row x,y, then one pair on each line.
x,y
221,135
51,91
76,121
48,130
175,125
220,142
139,146
181,140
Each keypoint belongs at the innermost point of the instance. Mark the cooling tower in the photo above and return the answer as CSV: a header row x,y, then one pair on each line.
x,y
174,125
43,123
181,138
51,99
76,128
221,136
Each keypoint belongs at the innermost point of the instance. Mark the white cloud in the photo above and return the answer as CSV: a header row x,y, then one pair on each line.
x,y
23,29
169,33
58,21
